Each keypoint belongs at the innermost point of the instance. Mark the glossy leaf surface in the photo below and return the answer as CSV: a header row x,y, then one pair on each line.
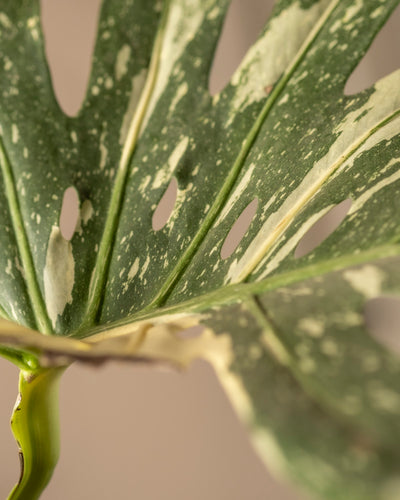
x,y
285,334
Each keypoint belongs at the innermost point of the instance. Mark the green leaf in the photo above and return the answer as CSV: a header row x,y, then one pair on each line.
x,y
286,335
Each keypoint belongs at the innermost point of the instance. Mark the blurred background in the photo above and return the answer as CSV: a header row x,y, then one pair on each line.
x,y
135,432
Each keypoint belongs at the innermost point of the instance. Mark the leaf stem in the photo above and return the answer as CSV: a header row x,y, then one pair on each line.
x,y
23,360
35,425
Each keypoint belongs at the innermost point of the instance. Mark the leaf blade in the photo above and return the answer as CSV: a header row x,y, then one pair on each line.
x,y
309,147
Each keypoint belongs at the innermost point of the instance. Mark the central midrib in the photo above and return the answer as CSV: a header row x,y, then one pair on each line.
x,y
24,250
102,265
239,292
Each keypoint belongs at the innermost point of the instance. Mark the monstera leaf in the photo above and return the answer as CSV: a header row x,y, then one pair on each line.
x,y
285,334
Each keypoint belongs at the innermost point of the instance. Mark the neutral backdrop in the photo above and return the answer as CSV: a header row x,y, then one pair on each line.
x,y
130,432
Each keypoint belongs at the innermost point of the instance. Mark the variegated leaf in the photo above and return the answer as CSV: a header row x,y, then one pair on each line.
x,y
286,334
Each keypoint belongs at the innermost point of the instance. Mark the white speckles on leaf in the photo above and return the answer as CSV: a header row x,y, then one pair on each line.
x,y
307,365
59,274
9,267
255,351
353,10
103,150
335,26
134,269
109,84
367,280
86,211
265,239
183,23
143,185
164,174
329,348
289,157
7,63
214,13
385,399
353,136
367,195
5,20
33,24
259,71
377,12
379,106
239,190
158,5
121,64
311,326
181,92
284,99
144,267
138,83
14,133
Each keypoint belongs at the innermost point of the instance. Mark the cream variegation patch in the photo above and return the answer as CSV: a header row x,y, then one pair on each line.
x,y
58,275
367,280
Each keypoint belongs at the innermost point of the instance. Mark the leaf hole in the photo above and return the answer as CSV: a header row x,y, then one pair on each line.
x,y
239,229
191,333
381,59
70,29
70,213
323,228
165,206
382,319
243,22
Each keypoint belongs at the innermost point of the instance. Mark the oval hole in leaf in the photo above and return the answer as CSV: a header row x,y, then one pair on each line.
x,y
70,213
165,207
323,228
192,332
243,22
382,319
239,229
75,21
382,57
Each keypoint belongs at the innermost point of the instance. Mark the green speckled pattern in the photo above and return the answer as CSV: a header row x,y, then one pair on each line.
x,y
319,393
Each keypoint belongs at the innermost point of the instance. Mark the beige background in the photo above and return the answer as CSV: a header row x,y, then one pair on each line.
x,y
129,431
